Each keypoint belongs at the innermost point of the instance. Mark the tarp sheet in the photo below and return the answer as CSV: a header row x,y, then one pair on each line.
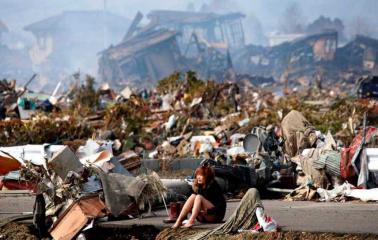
x,y
119,190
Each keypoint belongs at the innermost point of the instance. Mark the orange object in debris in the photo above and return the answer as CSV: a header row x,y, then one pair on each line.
x,y
8,164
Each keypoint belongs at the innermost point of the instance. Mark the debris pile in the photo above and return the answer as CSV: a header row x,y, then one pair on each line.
x,y
74,189
86,157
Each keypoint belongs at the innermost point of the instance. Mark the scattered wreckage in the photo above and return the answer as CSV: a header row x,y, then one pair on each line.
x,y
102,142
68,189
314,58
213,45
173,41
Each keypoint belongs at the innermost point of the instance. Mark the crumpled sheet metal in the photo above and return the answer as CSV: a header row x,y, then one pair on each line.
x,y
118,190
330,161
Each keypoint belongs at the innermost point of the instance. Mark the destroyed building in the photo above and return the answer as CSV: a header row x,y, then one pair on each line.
x,y
214,28
172,41
145,58
311,57
279,38
359,55
296,59
322,24
71,40
213,45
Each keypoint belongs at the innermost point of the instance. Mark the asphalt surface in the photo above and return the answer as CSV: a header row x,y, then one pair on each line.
x,y
349,217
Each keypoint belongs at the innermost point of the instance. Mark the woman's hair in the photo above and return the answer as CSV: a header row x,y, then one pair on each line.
x,y
208,176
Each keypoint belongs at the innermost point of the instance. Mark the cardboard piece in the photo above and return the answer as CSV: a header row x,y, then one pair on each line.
x,y
77,216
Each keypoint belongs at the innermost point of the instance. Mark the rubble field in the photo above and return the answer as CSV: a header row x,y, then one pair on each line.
x,y
183,109
97,153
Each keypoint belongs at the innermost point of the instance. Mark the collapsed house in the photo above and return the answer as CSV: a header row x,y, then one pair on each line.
x,y
295,59
60,46
360,55
173,41
145,58
313,57
214,28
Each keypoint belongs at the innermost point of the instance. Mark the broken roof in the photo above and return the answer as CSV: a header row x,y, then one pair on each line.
x,y
75,18
368,41
140,42
184,17
293,44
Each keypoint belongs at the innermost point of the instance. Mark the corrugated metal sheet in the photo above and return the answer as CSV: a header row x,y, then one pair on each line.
x,y
330,161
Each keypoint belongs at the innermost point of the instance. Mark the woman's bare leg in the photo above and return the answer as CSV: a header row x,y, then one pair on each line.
x,y
185,210
200,204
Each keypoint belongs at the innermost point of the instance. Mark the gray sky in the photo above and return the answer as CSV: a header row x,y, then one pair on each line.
x,y
267,14
21,12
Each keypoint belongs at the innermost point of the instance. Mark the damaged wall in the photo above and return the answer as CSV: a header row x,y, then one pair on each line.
x,y
141,60
361,55
304,57
172,41
212,27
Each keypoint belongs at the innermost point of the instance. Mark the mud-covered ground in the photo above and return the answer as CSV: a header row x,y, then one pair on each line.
x,y
14,231
167,234
134,233
296,236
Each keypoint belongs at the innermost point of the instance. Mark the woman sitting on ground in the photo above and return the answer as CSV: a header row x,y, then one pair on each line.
x,y
207,203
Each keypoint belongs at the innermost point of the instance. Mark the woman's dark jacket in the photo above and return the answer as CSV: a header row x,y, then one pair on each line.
x,y
214,194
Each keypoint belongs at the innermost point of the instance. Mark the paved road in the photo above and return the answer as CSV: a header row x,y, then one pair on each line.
x,y
350,217
15,204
